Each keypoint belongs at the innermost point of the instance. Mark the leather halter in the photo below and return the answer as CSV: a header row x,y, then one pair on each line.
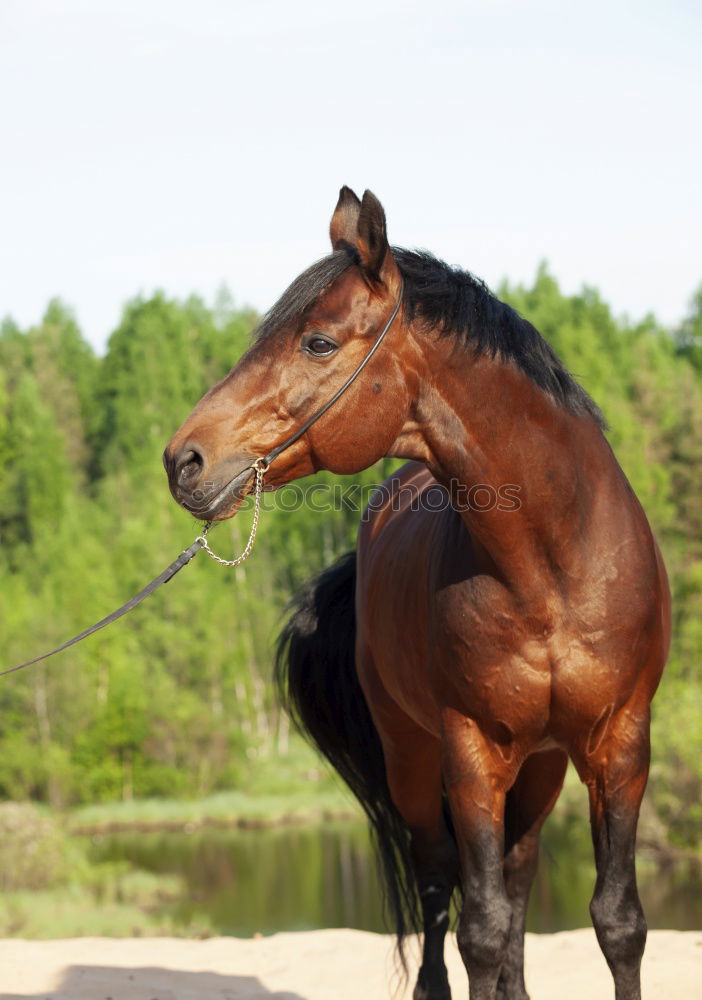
x,y
272,455
261,464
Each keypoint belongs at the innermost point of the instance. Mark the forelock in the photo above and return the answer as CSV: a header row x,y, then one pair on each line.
x,y
303,291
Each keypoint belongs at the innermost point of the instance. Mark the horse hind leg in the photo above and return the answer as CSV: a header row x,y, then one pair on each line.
x,y
616,772
413,768
436,872
477,779
529,801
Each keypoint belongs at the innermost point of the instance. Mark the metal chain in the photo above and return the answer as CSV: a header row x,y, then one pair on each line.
x,y
260,467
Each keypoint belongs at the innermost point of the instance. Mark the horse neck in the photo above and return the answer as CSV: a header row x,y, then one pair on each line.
x,y
481,421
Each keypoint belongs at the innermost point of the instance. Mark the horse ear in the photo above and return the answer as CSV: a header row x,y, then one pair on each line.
x,y
372,238
344,224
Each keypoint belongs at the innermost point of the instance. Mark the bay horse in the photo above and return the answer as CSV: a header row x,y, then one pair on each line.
x,y
451,666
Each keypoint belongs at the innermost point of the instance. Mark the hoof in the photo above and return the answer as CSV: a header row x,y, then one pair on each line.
x,y
504,993
437,990
421,993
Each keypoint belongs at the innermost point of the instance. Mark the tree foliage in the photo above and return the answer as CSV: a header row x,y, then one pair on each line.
x,y
177,699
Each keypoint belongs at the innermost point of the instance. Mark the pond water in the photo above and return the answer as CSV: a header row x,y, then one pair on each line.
x,y
244,882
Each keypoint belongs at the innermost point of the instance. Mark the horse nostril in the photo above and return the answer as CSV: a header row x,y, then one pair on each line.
x,y
190,465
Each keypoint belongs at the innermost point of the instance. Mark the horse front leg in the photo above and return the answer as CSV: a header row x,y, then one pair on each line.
x,y
616,774
477,779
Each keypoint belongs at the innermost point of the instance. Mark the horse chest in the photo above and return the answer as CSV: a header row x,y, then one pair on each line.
x,y
489,664
465,652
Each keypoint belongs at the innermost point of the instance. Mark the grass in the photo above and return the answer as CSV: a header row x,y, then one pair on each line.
x,y
224,809
51,888
277,791
124,904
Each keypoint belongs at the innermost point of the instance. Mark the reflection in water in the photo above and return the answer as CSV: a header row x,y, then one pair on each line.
x,y
243,882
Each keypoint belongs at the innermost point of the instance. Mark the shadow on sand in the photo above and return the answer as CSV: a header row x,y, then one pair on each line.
x,y
93,982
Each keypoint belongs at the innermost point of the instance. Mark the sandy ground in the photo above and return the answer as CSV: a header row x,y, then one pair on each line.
x,y
323,965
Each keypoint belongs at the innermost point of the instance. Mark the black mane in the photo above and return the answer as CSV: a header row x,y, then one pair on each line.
x,y
454,304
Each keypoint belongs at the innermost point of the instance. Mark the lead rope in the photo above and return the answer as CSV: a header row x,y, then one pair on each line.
x,y
260,467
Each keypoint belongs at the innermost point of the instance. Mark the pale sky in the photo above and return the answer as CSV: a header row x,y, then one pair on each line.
x,y
161,143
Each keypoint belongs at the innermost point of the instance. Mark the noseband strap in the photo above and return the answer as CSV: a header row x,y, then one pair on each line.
x,y
262,465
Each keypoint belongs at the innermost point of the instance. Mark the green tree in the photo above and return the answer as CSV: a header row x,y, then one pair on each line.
x,y
689,334
177,698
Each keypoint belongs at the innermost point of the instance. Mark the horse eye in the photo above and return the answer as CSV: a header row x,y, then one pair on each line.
x,y
319,346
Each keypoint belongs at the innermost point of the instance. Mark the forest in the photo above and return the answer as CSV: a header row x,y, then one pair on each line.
x,y
177,699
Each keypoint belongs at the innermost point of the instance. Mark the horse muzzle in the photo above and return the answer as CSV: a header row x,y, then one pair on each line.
x,y
210,493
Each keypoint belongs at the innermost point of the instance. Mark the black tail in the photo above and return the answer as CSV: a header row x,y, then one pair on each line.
x,y
317,680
